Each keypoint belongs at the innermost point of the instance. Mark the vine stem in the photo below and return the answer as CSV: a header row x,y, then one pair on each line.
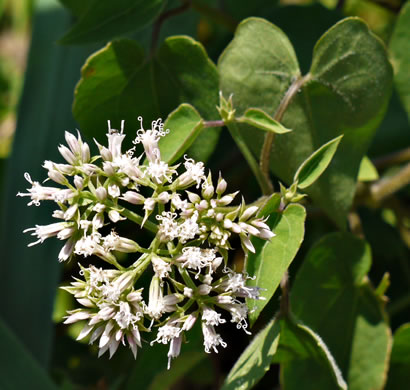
x,y
265,185
162,18
386,187
269,137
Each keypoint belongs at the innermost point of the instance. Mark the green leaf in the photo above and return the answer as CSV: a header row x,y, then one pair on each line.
x,y
119,83
18,369
185,124
270,206
261,120
346,92
311,169
367,171
400,56
272,258
399,372
306,359
255,360
30,275
103,20
332,295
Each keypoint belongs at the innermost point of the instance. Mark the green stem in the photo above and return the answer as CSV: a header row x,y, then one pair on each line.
x,y
269,137
187,279
141,265
152,227
265,186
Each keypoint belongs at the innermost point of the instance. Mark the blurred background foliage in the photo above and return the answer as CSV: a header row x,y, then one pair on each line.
x,y
39,70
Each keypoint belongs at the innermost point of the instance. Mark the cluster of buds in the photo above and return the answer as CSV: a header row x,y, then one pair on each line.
x,y
192,222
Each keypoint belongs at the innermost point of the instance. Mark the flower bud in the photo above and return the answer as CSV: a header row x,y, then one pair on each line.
x,y
193,198
208,192
202,205
108,168
133,197
72,142
85,152
163,197
204,289
101,193
221,187
67,154
115,216
57,177
78,182
249,212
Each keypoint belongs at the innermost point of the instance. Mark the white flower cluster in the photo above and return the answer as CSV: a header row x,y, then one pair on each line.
x,y
188,254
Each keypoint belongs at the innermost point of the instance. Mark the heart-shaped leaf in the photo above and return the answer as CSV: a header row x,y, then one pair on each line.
x,y
103,20
332,295
272,258
346,92
306,359
119,83
185,125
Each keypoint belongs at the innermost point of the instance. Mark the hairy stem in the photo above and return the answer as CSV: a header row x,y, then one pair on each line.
x,y
269,137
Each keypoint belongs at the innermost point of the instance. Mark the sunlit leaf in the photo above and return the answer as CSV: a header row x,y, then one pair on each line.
x,y
272,258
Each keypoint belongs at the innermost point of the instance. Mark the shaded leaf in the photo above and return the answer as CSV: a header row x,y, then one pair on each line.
x,y
400,56
272,258
305,358
255,360
399,372
103,20
332,295
311,169
18,369
119,83
346,92
185,124
261,120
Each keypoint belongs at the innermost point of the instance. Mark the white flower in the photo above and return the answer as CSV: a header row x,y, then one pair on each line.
x,y
197,258
211,338
115,140
211,317
150,138
195,173
189,228
87,245
161,267
159,171
114,191
37,192
168,229
62,230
